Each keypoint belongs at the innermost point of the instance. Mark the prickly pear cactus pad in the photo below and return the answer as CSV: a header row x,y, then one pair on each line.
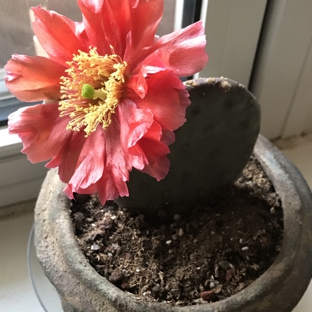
x,y
210,151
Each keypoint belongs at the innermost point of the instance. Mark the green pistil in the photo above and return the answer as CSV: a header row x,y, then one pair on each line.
x,y
89,93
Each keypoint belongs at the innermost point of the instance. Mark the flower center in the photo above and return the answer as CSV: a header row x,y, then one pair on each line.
x,y
92,90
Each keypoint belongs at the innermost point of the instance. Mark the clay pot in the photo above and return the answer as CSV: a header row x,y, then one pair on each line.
x,y
82,289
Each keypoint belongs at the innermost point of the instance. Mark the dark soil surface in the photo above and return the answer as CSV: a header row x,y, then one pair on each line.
x,y
219,249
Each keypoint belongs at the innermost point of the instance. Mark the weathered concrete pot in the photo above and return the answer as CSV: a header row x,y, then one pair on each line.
x,y
278,289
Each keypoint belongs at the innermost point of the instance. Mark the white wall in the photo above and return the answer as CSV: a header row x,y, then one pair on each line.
x,y
232,28
283,73
279,66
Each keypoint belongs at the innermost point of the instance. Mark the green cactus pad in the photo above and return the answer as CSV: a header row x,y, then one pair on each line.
x,y
210,151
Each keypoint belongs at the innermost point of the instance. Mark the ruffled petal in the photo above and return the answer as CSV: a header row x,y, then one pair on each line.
x,y
107,23
90,165
116,24
142,139
138,82
183,50
134,22
59,36
165,97
112,184
134,124
41,130
109,162
92,12
128,26
145,16
156,151
33,79
67,157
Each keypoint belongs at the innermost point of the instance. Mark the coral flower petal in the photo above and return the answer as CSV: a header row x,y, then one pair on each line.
x,y
166,98
93,23
105,170
134,124
67,157
155,151
33,78
40,129
90,166
111,186
59,35
134,24
100,17
184,50
142,137
118,19
159,163
117,165
145,18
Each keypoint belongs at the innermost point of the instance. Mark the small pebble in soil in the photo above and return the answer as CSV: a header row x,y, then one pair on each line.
x,y
95,247
176,217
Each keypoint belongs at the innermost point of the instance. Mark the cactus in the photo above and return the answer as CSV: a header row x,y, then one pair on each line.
x,y
210,151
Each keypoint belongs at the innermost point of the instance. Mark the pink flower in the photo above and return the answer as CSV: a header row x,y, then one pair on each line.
x,y
112,94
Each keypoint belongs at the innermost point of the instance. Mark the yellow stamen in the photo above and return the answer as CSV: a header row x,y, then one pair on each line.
x,y
92,90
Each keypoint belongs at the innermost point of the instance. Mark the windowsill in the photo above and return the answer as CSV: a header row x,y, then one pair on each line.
x,y
10,144
19,180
